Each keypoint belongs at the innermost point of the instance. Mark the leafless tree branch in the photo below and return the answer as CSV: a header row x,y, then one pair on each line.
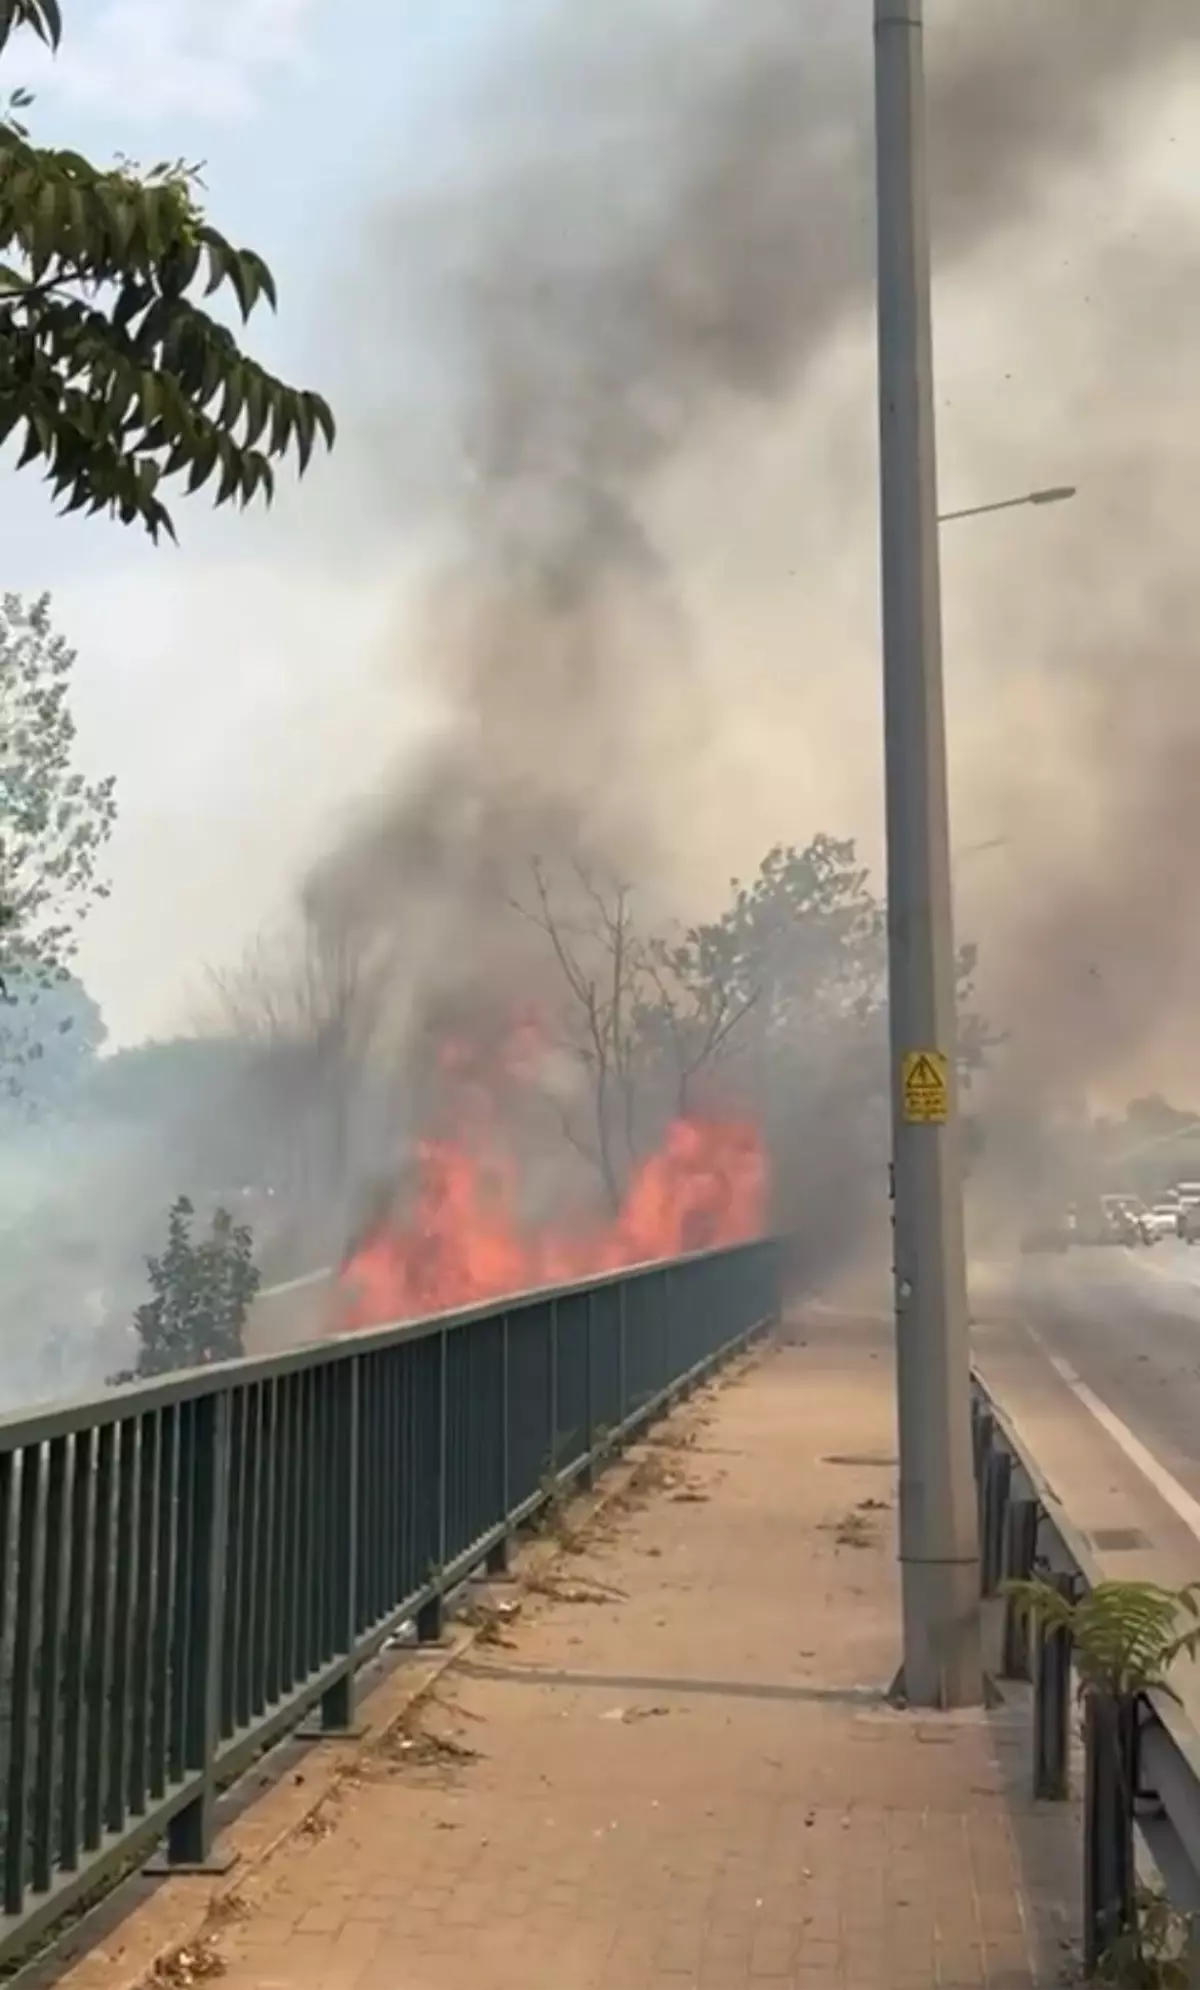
x,y
622,989
725,1014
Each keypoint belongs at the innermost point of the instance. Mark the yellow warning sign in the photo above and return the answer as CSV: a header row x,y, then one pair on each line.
x,y
926,1087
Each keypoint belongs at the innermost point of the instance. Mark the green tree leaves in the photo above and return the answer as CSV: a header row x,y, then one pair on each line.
x,y
806,937
201,1291
43,16
50,1039
111,373
54,824
806,940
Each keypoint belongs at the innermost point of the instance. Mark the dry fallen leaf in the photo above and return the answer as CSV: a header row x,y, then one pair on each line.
x,y
197,1963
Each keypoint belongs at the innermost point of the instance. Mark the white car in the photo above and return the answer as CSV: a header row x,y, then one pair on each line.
x,y
1162,1220
1188,1216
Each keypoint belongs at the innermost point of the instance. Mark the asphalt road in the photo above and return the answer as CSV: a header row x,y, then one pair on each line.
x,y
1128,1322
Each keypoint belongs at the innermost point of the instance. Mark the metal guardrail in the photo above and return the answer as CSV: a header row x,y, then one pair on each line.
x,y
1142,1759
193,1564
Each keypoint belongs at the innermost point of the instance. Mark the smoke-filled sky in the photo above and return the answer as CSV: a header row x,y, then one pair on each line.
x,y
598,318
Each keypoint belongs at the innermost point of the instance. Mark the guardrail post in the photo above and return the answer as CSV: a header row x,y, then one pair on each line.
x,y
983,1426
996,1487
983,1430
1052,1703
1110,1755
1020,1553
204,1455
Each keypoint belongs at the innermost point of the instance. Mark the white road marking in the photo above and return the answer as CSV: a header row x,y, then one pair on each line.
x,y
1165,1484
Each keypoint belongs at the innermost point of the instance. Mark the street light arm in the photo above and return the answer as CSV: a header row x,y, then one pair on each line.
x,y
1057,494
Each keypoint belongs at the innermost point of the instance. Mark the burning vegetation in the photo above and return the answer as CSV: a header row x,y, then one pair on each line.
x,y
459,1235
488,1205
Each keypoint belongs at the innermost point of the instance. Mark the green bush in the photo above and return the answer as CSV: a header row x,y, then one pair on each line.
x,y
201,1291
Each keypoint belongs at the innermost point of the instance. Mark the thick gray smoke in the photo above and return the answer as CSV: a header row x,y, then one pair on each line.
x,y
642,238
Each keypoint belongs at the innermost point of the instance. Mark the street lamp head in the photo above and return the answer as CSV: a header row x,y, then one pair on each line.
x,y
1057,494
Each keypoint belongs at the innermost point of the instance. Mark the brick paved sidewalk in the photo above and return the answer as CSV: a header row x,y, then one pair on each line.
x,y
678,1770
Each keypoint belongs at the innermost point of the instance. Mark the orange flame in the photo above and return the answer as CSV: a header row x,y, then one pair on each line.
x,y
461,1241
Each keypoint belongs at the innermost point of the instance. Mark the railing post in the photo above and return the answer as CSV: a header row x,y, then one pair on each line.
x,y
622,1353
587,1475
1110,1782
431,1617
1052,1702
665,1384
337,1703
205,1456
1020,1553
552,1390
24,1585
498,1553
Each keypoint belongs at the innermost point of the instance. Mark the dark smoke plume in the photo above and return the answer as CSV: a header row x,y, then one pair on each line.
x,y
640,234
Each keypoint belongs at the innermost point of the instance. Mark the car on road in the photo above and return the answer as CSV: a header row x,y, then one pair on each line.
x,y
1109,1219
1160,1220
1188,1219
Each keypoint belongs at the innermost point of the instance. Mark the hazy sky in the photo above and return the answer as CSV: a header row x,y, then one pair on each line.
x,y
249,687
228,684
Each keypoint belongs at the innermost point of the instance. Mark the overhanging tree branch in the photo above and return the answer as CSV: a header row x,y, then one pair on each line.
x,y
115,377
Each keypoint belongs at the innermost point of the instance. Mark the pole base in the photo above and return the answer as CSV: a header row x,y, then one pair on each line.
x,y
943,1644
897,1694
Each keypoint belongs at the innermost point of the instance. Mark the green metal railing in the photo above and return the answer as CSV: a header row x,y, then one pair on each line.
x,y
194,1564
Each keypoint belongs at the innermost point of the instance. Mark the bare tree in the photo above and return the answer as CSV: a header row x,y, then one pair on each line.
x,y
589,927
642,1018
311,1003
